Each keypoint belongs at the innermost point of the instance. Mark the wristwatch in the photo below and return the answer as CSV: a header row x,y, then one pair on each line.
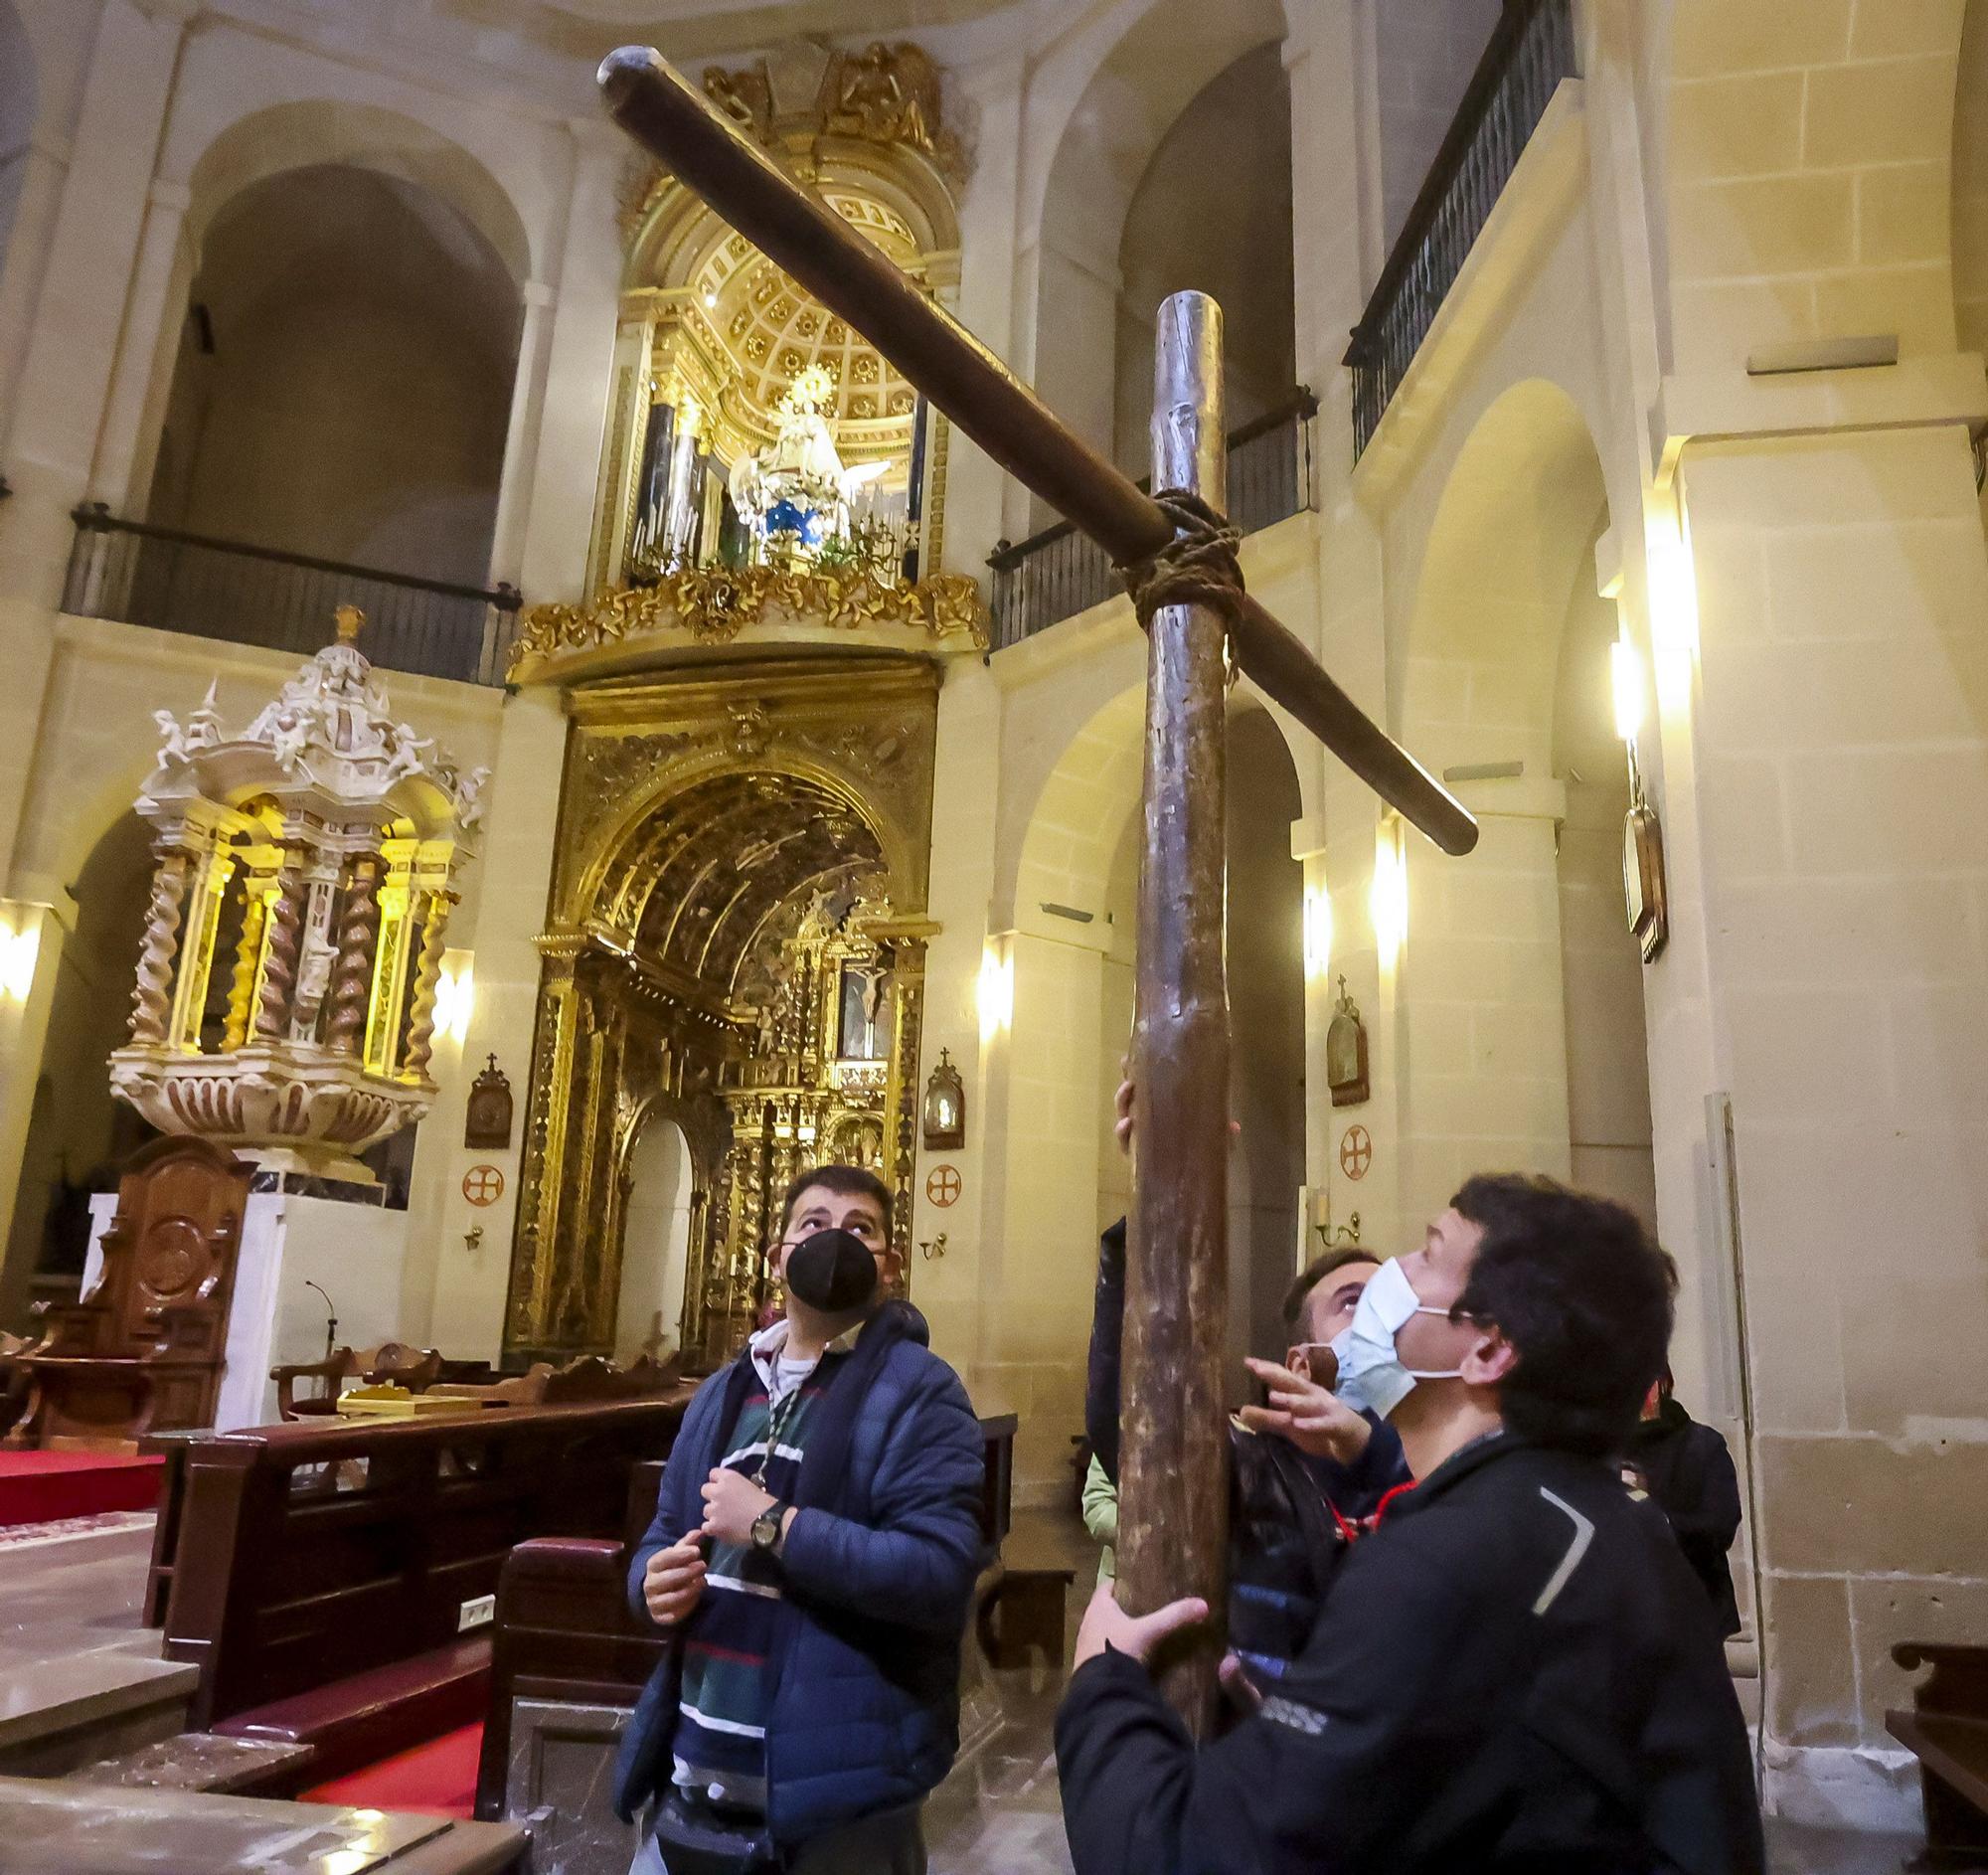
x,y
767,1528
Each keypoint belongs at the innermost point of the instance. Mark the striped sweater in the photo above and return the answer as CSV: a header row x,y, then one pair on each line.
x,y
721,1742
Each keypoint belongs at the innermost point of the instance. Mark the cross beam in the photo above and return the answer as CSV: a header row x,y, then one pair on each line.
x,y
710,156
1173,1456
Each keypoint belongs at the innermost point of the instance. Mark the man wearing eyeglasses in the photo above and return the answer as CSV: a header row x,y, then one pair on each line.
x,y
813,1554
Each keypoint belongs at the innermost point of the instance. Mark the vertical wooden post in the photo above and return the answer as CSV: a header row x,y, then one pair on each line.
x,y
1174,1471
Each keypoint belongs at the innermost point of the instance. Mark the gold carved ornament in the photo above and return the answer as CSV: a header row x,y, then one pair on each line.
x,y
715,603
891,95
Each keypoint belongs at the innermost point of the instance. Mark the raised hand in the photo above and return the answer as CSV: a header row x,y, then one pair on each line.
x,y
1313,1419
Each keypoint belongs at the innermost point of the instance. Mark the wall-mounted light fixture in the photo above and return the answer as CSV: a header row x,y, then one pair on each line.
x,y
942,1114
1643,888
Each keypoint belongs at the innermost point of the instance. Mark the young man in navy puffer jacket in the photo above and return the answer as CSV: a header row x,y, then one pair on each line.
x,y
813,1553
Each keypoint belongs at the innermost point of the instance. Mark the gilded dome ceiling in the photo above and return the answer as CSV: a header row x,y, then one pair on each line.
x,y
866,133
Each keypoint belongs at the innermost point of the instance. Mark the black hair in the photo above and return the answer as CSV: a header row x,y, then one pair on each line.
x,y
846,1181
1580,1289
1315,1273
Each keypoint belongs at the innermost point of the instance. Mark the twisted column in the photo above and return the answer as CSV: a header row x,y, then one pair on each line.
x,y
153,999
247,954
279,971
352,975
428,978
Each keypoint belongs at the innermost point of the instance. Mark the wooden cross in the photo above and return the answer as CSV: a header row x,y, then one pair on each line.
x,y
1173,1473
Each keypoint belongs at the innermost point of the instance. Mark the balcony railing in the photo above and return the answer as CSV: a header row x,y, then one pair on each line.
x,y
1061,572
1530,52
212,588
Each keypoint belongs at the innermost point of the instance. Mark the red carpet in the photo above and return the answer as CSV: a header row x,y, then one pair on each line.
x,y
437,1778
39,1486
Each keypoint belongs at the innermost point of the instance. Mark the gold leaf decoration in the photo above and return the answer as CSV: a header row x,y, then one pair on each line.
x,y
714,604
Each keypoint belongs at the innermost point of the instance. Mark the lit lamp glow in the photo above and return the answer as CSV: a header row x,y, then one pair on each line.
x,y
455,995
1387,899
996,991
1625,670
1317,932
19,949
1672,610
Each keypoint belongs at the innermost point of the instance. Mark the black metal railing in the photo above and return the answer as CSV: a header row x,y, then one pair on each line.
x,y
213,589
1530,52
1061,572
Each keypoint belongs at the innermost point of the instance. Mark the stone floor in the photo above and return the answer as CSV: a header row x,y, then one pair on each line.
x,y
1000,1814
79,1678
70,1607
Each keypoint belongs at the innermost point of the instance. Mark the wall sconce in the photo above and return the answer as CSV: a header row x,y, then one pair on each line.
x,y
943,1111
1387,898
20,948
455,995
1644,892
1317,932
996,990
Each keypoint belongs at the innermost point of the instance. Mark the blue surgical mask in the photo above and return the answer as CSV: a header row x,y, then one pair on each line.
x,y
1371,1375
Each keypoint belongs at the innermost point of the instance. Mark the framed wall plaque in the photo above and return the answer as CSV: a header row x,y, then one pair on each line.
x,y
487,1127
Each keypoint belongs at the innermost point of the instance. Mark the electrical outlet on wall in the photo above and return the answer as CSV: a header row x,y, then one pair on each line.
x,y
479,1612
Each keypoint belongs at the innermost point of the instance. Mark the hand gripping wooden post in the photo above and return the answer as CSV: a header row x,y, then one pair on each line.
x,y
1170,1535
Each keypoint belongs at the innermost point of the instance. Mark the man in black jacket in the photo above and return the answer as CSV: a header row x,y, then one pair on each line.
x,y
1517,1670
1688,1469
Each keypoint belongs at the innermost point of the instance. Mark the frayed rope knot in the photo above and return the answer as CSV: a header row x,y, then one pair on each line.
x,y
1198,566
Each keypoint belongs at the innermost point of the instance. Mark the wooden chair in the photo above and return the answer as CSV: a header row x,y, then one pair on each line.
x,y
1948,1730
390,1363
592,1378
526,1389
142,1351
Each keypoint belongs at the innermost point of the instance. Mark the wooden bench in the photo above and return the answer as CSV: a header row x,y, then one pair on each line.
x,y
569,1657
324,1574
1948,1730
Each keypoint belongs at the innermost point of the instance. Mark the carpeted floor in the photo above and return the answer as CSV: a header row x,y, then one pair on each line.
x,y
42,1486
437,1778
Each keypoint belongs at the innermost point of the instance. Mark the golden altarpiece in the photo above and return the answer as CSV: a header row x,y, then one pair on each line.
x,y
737,935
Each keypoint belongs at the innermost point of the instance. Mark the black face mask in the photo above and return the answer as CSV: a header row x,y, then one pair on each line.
x,y
832,1271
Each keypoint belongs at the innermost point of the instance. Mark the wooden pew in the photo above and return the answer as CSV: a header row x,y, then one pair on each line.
x,y
325,1574
569,1657
1948,1730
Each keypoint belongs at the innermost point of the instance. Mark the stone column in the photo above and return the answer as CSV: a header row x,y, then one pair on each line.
x,y
567,468
986,301
93,257
146,350
1822,676
46,164
521,437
